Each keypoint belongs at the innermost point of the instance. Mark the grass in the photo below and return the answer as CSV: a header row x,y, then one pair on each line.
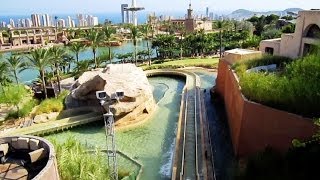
x,y
174,64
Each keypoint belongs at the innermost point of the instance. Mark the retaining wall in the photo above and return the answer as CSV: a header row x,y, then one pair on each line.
x,y
255,126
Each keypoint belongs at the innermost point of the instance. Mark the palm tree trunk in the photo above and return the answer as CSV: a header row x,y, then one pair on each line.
x,y
58,77
109,48
135,53
149,53
15,76
94,57
77,56
43,84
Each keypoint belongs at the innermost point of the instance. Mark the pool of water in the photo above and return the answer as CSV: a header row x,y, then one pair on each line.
x,y
151,144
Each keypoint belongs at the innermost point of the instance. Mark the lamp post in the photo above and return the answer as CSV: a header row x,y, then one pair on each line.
x,y
110,129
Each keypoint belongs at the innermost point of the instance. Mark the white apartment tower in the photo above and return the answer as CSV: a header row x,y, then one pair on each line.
x,y
12,23
35,20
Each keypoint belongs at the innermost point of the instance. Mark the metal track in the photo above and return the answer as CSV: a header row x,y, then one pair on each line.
x,y
191,137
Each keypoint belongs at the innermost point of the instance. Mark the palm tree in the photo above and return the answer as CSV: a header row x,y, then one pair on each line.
x,y
40,59
145,30
95,37
4,74
77,48
16,65
68,60
134,36
220,25
57,55
108,32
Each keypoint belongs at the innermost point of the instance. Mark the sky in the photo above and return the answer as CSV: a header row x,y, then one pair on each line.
x,y
22,7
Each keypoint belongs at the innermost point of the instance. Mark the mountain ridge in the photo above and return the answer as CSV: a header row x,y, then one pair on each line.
x,y
244,13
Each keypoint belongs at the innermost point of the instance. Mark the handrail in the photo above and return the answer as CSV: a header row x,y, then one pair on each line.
x,y
184,135
196,131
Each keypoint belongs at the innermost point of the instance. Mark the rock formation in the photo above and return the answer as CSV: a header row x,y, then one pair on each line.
x,y
138,97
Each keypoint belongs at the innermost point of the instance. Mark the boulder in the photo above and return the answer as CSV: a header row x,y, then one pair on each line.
x,y
138,96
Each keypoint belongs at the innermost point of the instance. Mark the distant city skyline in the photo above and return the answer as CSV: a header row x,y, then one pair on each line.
x,y
20,7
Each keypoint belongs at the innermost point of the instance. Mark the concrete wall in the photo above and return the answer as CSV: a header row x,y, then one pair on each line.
x,y
50,171
275,44
255,126
292,45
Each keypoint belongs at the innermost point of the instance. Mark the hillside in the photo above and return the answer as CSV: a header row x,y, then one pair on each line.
x,y
245,14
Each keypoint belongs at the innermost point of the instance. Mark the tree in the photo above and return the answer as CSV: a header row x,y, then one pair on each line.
x,y
57,55
4,74
220,25
95,37
145,29
271,34
290,28
108,32
77,48
134,36
68,60
16,65
14,95
40,59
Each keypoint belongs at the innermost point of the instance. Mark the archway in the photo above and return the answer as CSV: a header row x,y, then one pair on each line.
x,y
313,31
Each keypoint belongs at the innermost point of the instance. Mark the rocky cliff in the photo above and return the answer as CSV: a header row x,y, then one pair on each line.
x,y
138,98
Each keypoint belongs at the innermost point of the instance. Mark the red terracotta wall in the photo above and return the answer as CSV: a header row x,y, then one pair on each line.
x,y
254,126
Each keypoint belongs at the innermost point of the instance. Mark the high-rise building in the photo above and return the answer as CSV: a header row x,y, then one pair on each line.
x,y
3,24
95,21
73,24
61,23
44,20
211,16
124,13
69,22
12,23
48,19
28,23
36,20
207,12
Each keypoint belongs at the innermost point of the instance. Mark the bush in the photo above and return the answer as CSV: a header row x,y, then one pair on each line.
x,y
24,111
295,90
298,163
75,163
265,60
49,106
52,105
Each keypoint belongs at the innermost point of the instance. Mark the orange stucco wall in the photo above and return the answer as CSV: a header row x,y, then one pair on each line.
x,y
254,126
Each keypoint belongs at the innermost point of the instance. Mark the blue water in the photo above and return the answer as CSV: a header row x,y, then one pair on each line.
x,y
30,74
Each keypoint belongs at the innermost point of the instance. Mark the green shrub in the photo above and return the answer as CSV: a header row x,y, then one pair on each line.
x,y
265,60
24,111
53,104
49,106
74,162
295,90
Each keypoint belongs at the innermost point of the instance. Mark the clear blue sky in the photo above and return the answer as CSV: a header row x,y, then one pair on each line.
x,y
101,6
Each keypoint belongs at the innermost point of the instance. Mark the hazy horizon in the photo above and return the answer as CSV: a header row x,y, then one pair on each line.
x,y
18,7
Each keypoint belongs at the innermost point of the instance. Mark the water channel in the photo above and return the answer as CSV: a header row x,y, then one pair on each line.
x,y
152,143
